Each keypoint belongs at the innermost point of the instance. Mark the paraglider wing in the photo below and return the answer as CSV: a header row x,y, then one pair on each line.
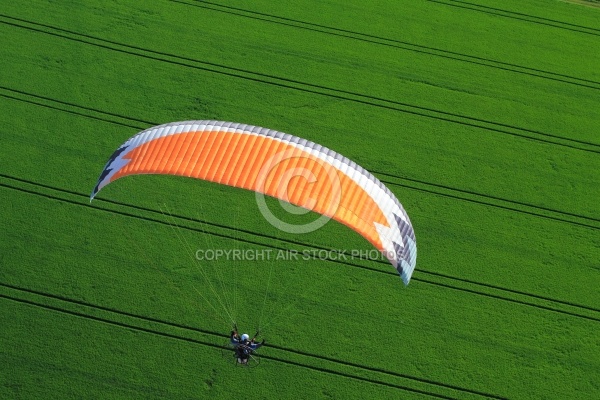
x,y
260,160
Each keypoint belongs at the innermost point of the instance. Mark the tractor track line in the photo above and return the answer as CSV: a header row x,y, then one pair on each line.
x,y
393,43
270,238
67,111
437,193
404,185
66,103
208,344
508,208
340,94
284,240
483,195
519,16
338,261
219,335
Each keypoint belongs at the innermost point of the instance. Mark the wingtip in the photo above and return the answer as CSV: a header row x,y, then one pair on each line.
x,y
404,275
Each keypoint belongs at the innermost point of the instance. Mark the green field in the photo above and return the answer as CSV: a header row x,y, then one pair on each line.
x,y
483,118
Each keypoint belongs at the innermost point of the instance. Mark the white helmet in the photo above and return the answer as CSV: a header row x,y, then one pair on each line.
x,y
245,337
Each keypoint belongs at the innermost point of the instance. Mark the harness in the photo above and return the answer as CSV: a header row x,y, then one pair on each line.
x,y
243,351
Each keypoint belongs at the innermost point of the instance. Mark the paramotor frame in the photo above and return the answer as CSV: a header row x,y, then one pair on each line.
x,y
230,353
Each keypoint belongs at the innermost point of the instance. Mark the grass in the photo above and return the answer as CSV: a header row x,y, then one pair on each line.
x,y
497,168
